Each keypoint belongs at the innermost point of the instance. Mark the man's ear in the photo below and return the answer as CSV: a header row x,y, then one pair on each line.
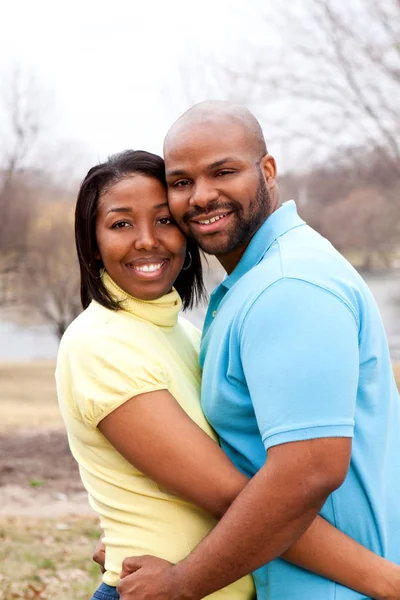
x,y
268,167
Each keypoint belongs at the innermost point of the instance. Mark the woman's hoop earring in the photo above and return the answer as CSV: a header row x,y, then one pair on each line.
x,y
190,262
99,275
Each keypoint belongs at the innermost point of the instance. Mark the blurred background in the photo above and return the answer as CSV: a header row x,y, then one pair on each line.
x,y
81,80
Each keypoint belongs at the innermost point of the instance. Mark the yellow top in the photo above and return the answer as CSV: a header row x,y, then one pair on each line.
x,y
105,358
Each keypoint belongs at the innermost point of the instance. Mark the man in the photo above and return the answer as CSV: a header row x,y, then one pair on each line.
x,y
295,363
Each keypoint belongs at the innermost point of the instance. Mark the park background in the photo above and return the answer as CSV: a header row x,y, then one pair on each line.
x,y
81,80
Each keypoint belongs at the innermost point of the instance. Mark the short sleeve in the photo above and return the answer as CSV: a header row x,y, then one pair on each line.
x,y
105,371
299,351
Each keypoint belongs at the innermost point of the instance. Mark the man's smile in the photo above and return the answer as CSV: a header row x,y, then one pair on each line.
x,y
210,223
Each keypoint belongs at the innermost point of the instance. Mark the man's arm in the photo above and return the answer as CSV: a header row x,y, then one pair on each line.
x,y
272,511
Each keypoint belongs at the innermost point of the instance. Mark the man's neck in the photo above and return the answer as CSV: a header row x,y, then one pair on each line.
x,y
231,260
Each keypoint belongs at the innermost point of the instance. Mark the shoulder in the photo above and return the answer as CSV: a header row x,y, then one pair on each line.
x,y
300,308
310,268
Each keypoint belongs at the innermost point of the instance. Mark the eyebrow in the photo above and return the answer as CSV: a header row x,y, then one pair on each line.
x,y
122,209
220,163
214,165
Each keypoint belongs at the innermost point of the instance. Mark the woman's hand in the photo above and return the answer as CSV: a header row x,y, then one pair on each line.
x,y
99,554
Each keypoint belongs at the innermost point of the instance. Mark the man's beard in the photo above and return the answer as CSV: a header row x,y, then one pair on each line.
x,y
243,228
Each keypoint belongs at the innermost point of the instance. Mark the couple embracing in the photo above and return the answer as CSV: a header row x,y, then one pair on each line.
x,y
280,480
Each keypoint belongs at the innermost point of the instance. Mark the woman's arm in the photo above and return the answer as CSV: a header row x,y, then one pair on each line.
x,y
329,552
154,434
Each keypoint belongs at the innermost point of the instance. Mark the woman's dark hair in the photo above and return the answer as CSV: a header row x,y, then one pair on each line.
x,y
189,282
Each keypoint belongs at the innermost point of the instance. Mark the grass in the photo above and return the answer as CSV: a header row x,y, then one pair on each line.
x,y
47,559
28,396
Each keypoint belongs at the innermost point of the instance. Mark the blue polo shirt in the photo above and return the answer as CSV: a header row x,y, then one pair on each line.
x,y
293,348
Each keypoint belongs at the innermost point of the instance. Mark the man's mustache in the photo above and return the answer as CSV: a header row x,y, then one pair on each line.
x,y
211,207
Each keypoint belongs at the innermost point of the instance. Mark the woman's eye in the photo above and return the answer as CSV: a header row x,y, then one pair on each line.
x,y
166,221
120,225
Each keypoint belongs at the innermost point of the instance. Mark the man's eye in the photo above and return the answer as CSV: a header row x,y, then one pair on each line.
x,y
225,172
181,183
120,225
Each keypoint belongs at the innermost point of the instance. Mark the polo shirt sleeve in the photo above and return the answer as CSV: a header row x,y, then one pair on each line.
x,y
106,371
299,351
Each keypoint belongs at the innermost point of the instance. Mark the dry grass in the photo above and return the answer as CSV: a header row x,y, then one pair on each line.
x,y
28,396
41,559
46,559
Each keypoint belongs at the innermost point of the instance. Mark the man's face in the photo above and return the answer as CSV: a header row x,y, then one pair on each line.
x,y
217,188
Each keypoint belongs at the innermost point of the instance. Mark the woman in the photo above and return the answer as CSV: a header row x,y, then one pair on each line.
x,y
128,384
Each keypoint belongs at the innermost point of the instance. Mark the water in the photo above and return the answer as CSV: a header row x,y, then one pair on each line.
x,y
23,343
386,289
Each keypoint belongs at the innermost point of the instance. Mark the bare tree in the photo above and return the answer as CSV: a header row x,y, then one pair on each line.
x,y
24,112
347,81
352,207
324,75
324,78
49,282
16,206
25,108
366,229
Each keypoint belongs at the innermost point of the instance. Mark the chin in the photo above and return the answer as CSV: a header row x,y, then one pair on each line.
x,y
214,248
149,295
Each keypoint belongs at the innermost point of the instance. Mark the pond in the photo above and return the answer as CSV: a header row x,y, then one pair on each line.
x,y
23,343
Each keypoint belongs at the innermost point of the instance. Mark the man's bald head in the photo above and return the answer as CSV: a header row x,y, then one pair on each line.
x,y
221,115
221,180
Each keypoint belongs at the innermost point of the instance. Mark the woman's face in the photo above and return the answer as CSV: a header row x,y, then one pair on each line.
x,y
139,244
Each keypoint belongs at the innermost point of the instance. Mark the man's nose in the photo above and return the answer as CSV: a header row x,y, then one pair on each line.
x,y
146,238
203,193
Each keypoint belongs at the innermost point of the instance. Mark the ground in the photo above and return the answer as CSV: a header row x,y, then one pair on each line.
x,y
47,529
38,476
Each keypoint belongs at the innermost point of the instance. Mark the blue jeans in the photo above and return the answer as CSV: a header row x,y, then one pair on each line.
x,y
105,592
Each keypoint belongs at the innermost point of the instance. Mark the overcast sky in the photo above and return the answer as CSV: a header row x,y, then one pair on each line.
x,y
115,67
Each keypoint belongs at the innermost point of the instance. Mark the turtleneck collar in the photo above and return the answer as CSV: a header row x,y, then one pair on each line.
x,y
162,312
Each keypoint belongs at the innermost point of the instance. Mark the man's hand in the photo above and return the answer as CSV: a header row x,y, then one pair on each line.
x,y
99,554
148,578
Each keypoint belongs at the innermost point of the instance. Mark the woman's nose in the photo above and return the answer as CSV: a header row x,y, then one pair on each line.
x,y
146,239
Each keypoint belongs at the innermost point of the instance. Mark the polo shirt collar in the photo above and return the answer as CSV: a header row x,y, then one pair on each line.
x,y
280,222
